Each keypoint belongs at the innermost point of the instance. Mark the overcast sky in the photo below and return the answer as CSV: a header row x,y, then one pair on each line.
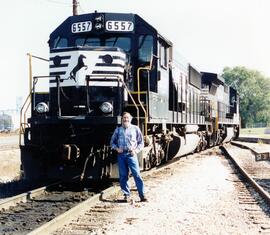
x,y
210,34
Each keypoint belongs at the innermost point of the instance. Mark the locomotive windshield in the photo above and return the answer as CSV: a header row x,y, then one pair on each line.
x,y
121,42
60,42
93,42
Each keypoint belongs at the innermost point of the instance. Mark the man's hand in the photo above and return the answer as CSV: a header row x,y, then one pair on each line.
x,y
132,152
119,150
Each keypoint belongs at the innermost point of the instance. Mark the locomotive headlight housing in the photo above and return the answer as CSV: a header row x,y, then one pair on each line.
x,y
99,18
106,107
107,59
99,22
42,107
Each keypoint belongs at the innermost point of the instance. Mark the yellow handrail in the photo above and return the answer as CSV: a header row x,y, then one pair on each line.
x,y
28,100
136,106
27,107
147,68
30,72
22,124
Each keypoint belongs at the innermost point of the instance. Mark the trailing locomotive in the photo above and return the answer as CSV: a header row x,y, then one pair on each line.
x,y
102,64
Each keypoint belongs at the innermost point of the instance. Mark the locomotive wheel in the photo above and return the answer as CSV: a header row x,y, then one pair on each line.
x,y
199,148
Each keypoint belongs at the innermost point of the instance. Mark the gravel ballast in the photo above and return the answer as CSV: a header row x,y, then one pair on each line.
x,y
196,195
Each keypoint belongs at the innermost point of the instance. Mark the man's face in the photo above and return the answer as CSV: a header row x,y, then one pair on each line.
x,y
126,119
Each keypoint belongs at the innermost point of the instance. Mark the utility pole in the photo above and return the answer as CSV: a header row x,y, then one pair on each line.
x,y
75,7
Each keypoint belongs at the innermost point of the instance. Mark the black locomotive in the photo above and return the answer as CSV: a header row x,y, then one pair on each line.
x,y
102,64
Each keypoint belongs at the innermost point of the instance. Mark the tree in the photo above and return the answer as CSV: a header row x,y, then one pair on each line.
x,y
253,89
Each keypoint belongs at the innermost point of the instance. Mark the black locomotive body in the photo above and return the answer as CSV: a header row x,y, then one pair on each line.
x,y
102,64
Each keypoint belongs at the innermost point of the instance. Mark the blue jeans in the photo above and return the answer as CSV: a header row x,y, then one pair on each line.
x,y
125,162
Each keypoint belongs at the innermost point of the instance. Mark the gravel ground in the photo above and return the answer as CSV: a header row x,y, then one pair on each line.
x,y
9,139
10,165
9,157
196,195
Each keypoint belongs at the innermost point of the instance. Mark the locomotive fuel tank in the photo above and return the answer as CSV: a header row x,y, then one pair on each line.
x,y
184,144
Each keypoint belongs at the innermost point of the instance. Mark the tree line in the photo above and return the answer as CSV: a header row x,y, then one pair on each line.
x,y
254,91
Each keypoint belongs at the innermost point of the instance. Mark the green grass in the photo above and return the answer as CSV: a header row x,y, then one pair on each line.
x,y
255,132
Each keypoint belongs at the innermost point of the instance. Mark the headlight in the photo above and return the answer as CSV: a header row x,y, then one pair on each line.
x,y
106,107
107,59
42,107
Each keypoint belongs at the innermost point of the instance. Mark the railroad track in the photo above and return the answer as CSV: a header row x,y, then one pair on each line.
x,y
254,140
260,149
254,194
44,210
92,207
18,187
58,207
95,219
29,211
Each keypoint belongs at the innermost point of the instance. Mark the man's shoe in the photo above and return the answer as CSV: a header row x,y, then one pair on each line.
x,y
126,198
144,199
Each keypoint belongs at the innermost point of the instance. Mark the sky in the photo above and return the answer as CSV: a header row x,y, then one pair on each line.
x,y
210,34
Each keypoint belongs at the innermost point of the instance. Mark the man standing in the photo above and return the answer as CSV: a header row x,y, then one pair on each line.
x,y
127,140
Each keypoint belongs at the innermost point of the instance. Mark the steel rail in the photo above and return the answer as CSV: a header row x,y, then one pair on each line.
x,y
24,197
253,140
249,179
67,216
260,154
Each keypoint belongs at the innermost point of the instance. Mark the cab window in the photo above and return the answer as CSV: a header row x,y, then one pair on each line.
x,y
79,41
92,42
121,42
145,48
163,56
60,42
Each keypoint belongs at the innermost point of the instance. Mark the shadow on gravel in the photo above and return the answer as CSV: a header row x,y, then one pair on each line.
x,y
16,187
19,186
265,183
114,200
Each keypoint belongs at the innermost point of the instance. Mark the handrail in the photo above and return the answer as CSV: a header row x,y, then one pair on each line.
x,y
26,112
22,125
136,106
30,72
147,68
28,100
